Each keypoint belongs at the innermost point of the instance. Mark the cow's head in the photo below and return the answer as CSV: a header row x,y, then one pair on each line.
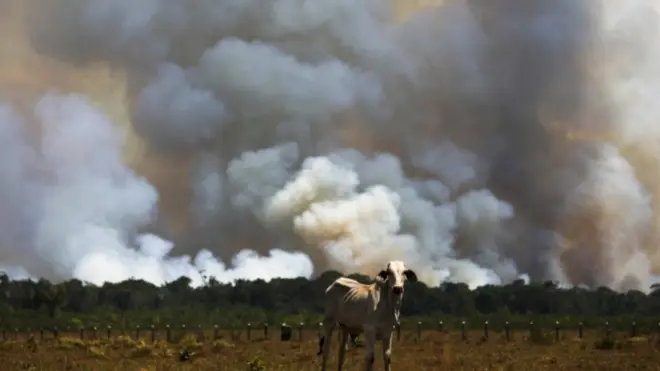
x,y
396,274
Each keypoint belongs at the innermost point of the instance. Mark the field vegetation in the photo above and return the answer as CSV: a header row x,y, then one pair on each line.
x,y
75,325
436,350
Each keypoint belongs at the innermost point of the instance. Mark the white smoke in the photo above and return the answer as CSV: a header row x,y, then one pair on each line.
x,y
87,208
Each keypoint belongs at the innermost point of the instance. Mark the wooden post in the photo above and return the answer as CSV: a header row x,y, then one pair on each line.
x,y
137,332
109,332
41,334
249,331
266,330
215,332
463,334
419,330
56,333
486,330
507,331
441,326
82,333
608,332
153,334
557,331
531,328
168,334
301,327
580,330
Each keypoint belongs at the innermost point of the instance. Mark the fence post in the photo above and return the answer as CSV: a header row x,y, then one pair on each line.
x,y
398,331
285,332
463,334
507,331
441,326
301,327
419,330
557,331
153,334
607,329
486,330
41,334
266,330
215,332
137,332
56,332
531,328
580,330
15,333
109,332
168,333
183,331
249,331
82,332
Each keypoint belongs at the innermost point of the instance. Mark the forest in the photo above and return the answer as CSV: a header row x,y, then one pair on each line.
x,y
33,304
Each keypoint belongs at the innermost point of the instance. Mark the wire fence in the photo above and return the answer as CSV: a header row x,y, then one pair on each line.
x,y
299,332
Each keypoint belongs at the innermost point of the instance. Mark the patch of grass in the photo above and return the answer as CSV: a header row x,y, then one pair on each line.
x,y
221,344
437,351
71,343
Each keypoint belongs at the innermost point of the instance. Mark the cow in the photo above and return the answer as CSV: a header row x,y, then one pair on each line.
x,y
352,337
372,309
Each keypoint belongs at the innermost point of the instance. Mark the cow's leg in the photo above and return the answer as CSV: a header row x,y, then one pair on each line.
x,y
386,343
328,328
343,336
370,340
321,341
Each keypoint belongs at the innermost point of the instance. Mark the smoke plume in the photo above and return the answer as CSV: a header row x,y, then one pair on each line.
x,y
478,141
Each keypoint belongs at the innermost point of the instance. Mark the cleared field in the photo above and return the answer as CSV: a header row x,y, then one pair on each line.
x,y
435,351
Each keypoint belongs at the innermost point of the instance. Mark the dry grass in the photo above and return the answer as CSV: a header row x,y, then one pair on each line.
x,y
436,351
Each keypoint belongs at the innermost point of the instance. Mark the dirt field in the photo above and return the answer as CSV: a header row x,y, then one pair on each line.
x,y
436,351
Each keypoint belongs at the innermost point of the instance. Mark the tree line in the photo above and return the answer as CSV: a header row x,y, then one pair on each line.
x,y
27,303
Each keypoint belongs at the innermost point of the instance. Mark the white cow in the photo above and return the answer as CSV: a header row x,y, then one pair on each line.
x,y
373,309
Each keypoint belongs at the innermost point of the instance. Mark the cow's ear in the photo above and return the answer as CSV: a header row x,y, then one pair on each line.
x,y
410,275
382,274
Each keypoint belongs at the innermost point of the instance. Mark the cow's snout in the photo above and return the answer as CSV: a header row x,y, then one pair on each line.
x,y
397,290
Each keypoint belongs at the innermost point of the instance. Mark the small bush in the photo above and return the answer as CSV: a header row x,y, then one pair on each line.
x,y
190,343
256,364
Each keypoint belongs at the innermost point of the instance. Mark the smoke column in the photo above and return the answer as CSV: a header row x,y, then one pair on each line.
x,y
478,141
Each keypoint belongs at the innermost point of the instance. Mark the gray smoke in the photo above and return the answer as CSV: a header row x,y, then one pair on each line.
x,y
478,141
